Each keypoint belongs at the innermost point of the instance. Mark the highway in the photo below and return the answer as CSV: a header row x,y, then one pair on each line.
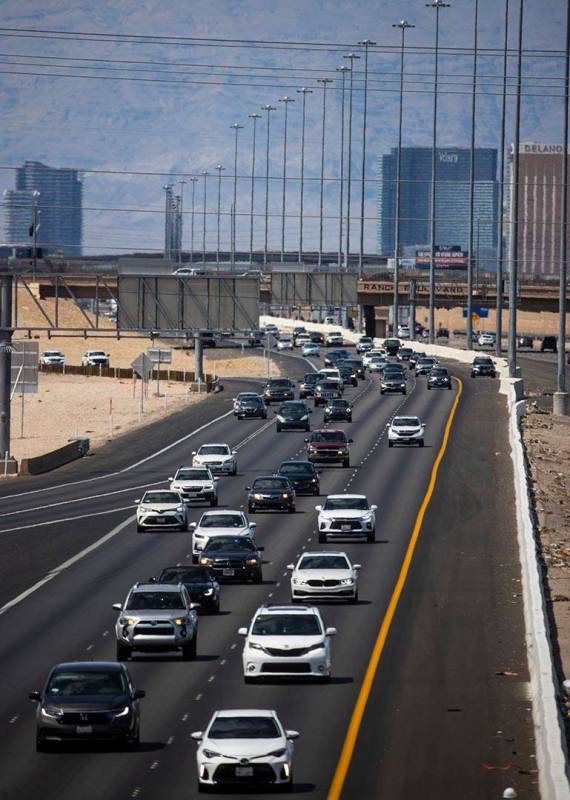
x,y
448,712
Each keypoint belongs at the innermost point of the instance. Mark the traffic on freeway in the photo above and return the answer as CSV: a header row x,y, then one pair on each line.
x,y
287,600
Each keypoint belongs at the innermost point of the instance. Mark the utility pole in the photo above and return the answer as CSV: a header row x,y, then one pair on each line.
x,y
352,57
220,169
469,328
285,100
324,81
254,117
6,332
193,180
237,128
269,109
205,176
304,92
366,43
343,71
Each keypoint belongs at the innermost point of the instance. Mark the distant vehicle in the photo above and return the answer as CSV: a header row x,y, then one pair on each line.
x,y
248,405
334,339
330,374
392,346
406,430
255,338
439,377
330,321
224,522
52,358
525,342
302,475
218,457
329,446
195,483
326,390
285,343
393,380
334,356
377,363
307,385
404,331
202,587
326,575
404,353
298,329
348,374
277,390
365,343
376,351
208,339
356,365
293,415
486,340
95,358
336,410
302,339
442,333
272,330
311,349
346,515
425,364
161,509
317,337
271,492
549,343
483,365
188,272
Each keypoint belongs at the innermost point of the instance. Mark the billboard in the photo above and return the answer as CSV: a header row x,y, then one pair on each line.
x,y
446,257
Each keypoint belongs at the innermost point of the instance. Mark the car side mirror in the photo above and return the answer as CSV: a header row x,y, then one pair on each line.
x,y
292,734
118,606
253,524
318,508
34,696
170,478
193,452
138,694
137,501
310,410
248,488
305,440
242,631
290,566
197,736
373,507
195,606
357,566
331,632
350,441
193,525
234,452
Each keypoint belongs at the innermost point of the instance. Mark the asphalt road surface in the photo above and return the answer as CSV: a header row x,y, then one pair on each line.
x,y
448,714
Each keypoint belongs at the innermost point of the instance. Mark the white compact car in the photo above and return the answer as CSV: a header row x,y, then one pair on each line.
x,y
161,508
244,747
486,340
218,458
285,343
286,641
403,331
324,575
334,339
95,358
346,515
219,523
377,363
195,483
406,430
51,357
311,349
368,356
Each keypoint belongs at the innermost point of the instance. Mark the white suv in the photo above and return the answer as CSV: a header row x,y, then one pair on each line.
x,y
161,508
406,430
95,358
195,483
368,356
217,457
346,515
219,523
244,746
287,641
51,357
324,575
334,338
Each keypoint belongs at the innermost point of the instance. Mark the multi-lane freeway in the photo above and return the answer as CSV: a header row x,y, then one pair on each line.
x,y
429,696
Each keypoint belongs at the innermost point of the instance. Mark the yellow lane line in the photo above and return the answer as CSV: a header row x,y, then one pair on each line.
x,y
347,751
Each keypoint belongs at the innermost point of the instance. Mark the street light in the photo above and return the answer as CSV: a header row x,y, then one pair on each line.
x,y
254,117
352,57
268,109
35,226
193,181
285,100
220,169
366,43
324,81
437,5
343,71
205,176
403,25
236,128
304,92
500,236
182,184
469,329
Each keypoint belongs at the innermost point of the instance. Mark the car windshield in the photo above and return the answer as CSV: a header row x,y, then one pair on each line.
x,y
377,358
52,353
239,544
97,353
439,372
184,575
406,422
311,377
244,728
324,562
279,383
393,369
161,497
426,361
329,436
71,683
338,403
293,408
192,475
251,396
214,450
482,360
365,340
163,601
345,503
270,483
286,625
253,401
297,468
222,520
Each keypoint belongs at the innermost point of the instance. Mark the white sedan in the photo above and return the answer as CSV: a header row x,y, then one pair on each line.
x,y
486,340
311,349
325,575
406,430
216,457
287,641
244,746
346,515
161,509
377,351
285,343
219,523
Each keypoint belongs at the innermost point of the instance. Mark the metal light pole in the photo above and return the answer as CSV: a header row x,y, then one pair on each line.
x,y
469,328
560,399
167,219
285,100
193,181
500,233
324,81
403,25
237,128
304,92
254,117
343,71
269,109
205,176
352,57
366,43
220,169
438,5
182,184
35,227
514,210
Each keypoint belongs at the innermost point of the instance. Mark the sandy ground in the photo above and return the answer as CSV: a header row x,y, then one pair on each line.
x,y
547,442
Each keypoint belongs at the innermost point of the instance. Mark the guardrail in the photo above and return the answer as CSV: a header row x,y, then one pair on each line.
x,y
55,458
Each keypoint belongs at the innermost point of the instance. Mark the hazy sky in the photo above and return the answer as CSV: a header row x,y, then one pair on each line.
x,y
102,122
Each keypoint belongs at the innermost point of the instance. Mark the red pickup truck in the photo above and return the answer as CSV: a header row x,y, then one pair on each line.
x,y
328,446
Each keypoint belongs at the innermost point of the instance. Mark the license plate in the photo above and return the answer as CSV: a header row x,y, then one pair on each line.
x,y
228,572
346,528
84,729
161,519
244,772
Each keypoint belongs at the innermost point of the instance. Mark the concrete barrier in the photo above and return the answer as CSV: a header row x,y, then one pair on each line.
x,y
56,458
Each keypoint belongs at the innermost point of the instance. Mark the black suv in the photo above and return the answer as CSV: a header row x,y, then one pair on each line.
x,y
250,407
302,475
271,492
391,346
483,365
87,701
326,390
337,410
202,587
307,385
233,558
278,389
293,415
347,373
357,366
393,379
439,377
549,343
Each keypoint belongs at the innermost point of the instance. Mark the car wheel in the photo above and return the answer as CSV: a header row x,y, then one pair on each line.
x,y
316,491
133,742
322,538
189,650
404,391
381,391
216,608
349,418
214,502
203,788
234,471
258,578
123,652
371,537
278,428
421,442
472,374
322,679
449,386
346,463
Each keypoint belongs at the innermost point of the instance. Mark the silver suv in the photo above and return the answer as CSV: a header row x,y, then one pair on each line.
x,y
157,617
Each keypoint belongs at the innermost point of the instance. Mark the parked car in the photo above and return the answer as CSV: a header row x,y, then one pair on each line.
x,y
52,358
95,358
549,344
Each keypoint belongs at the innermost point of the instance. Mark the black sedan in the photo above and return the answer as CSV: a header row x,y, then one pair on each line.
x,y
302,475
439,378
334,356
251,407
202,587
235,558
86,701
357,366
293,415
270,493
338,410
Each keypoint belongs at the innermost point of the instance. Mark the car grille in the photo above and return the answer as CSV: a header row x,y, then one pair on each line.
x,y
228,563
286,667
317,582
226,773
86,718
214,464
338,524
294,653
406,433
154,629
165,519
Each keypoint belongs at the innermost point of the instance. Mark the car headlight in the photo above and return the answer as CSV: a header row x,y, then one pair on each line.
x,y
257,496
347,581
318,646
402,386
342,452
278,753
52,711
144,509
180,621
280,418
304,418
313,480
298,582
285,495
181,508
206,561
251,561
255,646
127,621
211,754
122,713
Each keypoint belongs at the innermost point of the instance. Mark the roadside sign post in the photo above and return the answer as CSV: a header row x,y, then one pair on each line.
x,y
158,356
142,366
24,372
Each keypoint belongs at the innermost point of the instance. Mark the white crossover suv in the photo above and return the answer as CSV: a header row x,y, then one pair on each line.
x,y
406,430
161,508
219,523
287,641
95,358
324,575
346,515
244,747
195,483
52,357
217,457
